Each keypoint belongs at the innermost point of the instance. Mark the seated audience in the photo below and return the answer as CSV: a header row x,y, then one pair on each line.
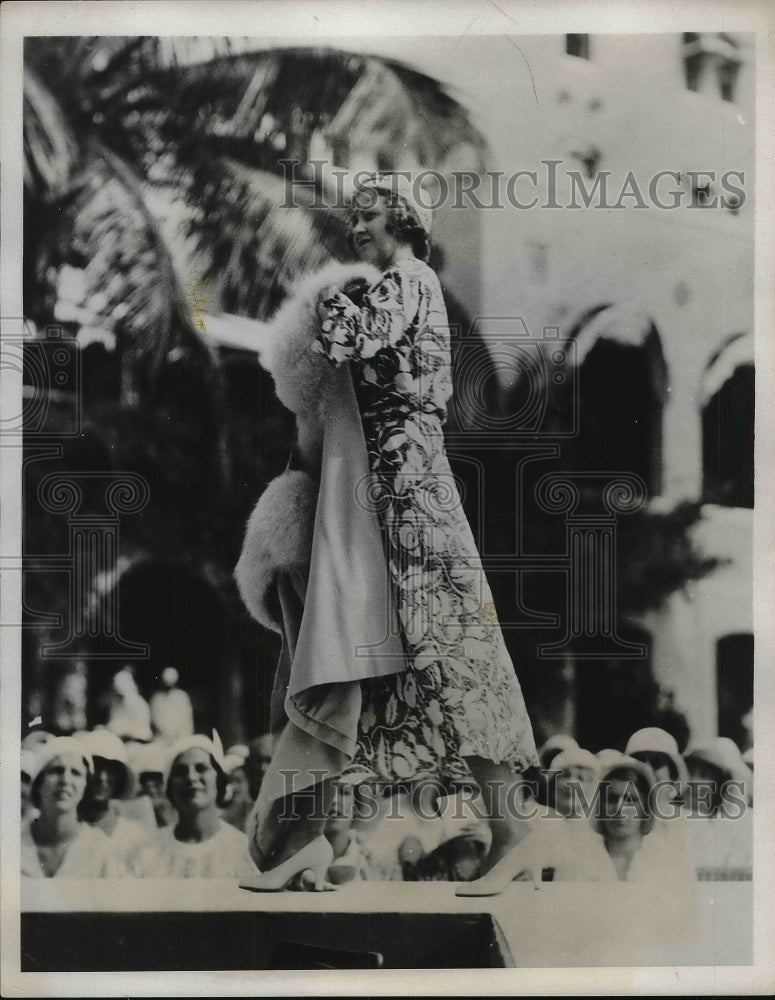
x,y
614,843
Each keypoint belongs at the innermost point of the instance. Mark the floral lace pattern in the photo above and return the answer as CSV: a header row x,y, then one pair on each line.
x,y
460,696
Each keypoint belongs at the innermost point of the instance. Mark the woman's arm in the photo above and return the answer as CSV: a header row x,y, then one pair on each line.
x,y
352,333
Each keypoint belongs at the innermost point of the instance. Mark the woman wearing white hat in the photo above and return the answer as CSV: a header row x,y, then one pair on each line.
x,y
199,844
563,834
239,804
56,843
721,816
658,749
111,780
628,851
395,666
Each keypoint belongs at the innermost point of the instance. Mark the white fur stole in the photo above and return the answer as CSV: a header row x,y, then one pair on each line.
x,y
279,531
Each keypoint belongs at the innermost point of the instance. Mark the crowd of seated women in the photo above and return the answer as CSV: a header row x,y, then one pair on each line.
x,y
94,806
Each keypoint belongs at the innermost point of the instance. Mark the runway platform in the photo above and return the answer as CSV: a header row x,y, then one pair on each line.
x,y
190,925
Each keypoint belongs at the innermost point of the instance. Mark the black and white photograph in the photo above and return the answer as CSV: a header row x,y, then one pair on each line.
x,y
385,585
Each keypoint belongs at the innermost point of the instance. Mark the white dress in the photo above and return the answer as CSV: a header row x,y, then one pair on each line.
x,y
90,855
224,855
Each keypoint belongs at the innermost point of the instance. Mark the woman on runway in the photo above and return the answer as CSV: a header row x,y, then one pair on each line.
x,y
394,667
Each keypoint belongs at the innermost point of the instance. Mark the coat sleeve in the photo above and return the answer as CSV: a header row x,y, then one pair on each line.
x,y
352,333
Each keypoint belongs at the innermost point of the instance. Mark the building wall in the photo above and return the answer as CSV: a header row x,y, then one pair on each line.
x,y
689,269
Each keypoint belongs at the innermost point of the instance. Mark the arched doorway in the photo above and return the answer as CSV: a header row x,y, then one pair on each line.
x,y
727,400
178,614
622,388
614,698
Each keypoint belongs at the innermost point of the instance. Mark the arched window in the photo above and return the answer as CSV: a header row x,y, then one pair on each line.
x,y
734,677
727,399
614,698
180,615
622,384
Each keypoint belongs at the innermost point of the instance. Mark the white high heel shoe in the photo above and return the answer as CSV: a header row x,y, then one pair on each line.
x,y
519,859
317,855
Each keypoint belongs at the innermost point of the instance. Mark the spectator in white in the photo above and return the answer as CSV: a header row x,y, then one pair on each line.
x,y
720,817
69,709
554,746
111,780
55,843
349,864
199,844
546,755
129,714
658,749
563,834
27,770
626,850
172,715
239,802
575,771
149,761
30,744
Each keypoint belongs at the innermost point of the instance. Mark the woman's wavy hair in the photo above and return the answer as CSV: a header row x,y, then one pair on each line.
x,y
404,225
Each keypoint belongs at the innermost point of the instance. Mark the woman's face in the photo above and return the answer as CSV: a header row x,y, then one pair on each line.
x,y
623,814
239,784
62,784
570,785
193,781
368,229
105,780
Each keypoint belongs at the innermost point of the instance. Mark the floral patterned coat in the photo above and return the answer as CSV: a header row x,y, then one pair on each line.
x,y
460,696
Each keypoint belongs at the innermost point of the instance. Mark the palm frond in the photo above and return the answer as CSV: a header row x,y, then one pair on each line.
x,y
265,105
254,246
393,109
50,146
131,280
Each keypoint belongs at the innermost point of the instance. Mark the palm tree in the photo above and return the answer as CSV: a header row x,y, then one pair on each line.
x,y
116,125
